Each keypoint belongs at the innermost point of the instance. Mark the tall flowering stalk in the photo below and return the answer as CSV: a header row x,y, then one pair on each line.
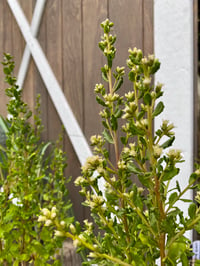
x,y
136,224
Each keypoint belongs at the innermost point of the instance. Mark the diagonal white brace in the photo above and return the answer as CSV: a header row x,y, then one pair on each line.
x,y
67,117
65,113
35,23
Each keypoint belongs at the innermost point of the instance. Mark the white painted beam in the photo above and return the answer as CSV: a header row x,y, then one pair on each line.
x,y
173,45
35,23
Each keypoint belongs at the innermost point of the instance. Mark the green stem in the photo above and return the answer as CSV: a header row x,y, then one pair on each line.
x,y
182,193
90,247
157,184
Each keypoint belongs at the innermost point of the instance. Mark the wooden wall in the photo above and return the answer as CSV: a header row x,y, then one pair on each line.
x,y
69,35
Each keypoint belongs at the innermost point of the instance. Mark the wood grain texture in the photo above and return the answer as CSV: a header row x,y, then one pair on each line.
x,y
73,88
7,47
94,12
28,88
72,56
148,44
38,85
3,99
54,56
128,26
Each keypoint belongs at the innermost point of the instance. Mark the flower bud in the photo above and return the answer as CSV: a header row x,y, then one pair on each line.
x,y
72,229
42,218
48,222
62,223
46,212
59,233
157,151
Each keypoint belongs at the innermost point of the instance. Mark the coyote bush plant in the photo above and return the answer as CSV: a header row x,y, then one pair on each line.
x,y
137,224
30,181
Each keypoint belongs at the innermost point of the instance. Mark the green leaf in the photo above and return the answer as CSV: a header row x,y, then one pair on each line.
x,y
104,76
155,67
193,178
118,113
4,125
110,59
186,200
114,123
107,136
16,263
192,210
159,108
176,250
184,260
170,173
133,169
124,140
131,76
147,98
136,131
118,85
100,101
178,186
197,263
168,143
105,124
140,114
173,198
44,148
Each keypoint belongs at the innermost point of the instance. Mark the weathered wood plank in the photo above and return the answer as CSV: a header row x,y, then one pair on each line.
x,y
2,84
148,27
54,57
127,17
72,56
39,86
28,89
73,87
7,46
94,12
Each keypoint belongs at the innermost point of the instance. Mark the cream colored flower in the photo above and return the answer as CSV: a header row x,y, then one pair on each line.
x,y
42,218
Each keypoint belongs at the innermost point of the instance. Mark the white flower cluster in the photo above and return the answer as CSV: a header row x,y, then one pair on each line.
x,y
47,216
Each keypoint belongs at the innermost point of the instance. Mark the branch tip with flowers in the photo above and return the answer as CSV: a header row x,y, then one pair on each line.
x,y
137,225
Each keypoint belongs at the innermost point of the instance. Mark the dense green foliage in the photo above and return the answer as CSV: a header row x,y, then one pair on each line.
x,y
31,178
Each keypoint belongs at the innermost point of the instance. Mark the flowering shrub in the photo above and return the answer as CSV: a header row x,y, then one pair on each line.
x,y
137,225
30,179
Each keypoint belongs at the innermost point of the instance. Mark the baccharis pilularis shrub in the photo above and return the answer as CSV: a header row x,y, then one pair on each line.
x,y
137,225
31,178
